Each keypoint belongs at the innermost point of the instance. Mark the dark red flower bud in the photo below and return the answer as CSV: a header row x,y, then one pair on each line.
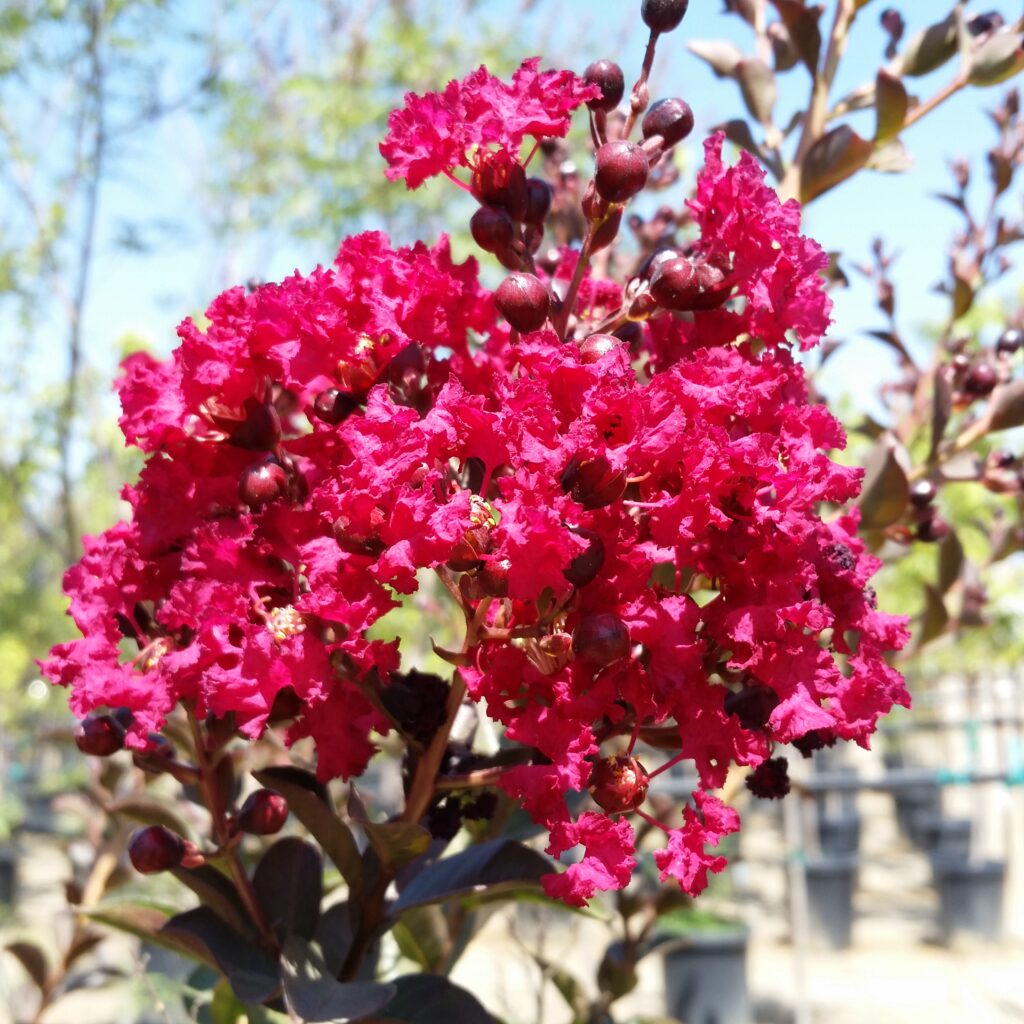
x,y
770,779
601,639
607,76
622,169
538,200
1010,341
491,579
663,15
923,493
593,482
650,265
523,301
264,813
585,566
500,181
892,22
672,119
492,229
933,530
981,379
333,406
357,541
605,233
683,285
99,735
596,347
618,784
468,552
262,483
155,849
261,429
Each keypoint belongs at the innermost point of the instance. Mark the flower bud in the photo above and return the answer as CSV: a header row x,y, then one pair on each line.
x,y
1010,341
585,566
99,735
672,119
500,181
155,849
261,429
618,784
606,232
523,301
622,169
538,200
596,347
981,379
607,76
492,229
601,639
264,813
923,493
491,579
262,483
468,552
592,482
333,406
933,530
663,15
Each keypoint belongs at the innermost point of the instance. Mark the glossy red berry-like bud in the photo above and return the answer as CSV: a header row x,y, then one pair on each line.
x,y
501,182
593,482
261,429
491,579
263,483
596,347
892,22
99,735
618,784
770,779
674,283
981,379
606,232
264,813
601,639
334,406
663,15
933,530
492,229
650,265
155,849
923,493
469,551
586,565
672,119
523,301
1010,341
622,169
607,76
538,204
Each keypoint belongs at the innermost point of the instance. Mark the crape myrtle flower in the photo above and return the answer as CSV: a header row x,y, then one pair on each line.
x,y
325,440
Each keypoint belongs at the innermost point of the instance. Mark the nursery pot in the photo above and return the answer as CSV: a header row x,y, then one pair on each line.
x,y
706,977
948,838
839,835
970,897
915,806
830,884
8,876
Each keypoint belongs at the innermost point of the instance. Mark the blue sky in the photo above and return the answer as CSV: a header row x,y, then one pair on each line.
x,y
146,295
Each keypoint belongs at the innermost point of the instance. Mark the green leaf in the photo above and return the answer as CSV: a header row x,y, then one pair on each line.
x,y
802,25
314,995
757,84
930,48
432,999
33,959
722,55
308,800
951,562
217,892
568,987
891,103
488,869
252,974
997,59
883,498
396,842
833,158
422,936
289,886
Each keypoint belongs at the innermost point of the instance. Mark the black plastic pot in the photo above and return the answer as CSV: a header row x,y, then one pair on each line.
x,y
706,978
8,876
948,838
970,897
830,885
915,806
839,835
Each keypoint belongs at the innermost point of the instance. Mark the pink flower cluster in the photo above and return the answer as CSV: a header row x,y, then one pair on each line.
x,y
636,534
